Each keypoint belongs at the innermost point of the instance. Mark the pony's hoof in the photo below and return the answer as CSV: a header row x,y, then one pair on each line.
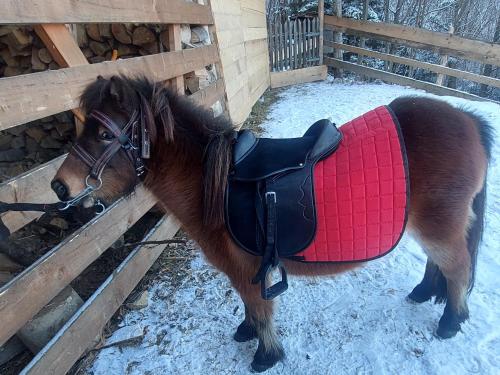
x,y
263,361
447,332
418,296
245,332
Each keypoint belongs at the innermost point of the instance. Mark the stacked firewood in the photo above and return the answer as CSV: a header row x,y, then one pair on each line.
x,y
22,52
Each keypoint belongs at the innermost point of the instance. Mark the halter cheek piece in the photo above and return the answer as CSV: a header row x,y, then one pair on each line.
x,y
126,139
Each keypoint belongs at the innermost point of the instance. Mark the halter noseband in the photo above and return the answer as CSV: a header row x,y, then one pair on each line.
x,y
126,139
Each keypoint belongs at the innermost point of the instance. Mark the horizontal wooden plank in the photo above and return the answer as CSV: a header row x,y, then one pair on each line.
x,y
32,96
25,295
228,22
238,106
400,80
103,11
228,7
209,95
253,18
78,333
230,55
293,77
229,38
445,43
255,33
418,64
258,5
257,93
32,186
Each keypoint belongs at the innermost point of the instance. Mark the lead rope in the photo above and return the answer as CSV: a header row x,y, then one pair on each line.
x,y
57,207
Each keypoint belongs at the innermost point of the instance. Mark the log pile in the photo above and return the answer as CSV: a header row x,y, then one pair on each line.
x,y
22,52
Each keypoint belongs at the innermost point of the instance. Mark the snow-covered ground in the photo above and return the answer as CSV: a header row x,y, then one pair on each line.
x,y
356,323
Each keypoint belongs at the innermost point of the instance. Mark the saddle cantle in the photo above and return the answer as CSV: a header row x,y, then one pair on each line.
x,y
330,196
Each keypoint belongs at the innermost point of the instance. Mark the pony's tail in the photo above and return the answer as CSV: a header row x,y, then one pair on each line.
x,y
475,232
216,164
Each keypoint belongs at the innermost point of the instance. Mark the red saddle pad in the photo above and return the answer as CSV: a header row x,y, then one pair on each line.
x,y
361,192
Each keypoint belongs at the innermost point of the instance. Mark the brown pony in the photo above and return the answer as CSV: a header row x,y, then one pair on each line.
x,y
448,151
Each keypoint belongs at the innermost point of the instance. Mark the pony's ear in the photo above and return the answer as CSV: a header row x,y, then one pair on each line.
x,y
116,90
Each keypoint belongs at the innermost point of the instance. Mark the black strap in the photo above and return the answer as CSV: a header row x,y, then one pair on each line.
x,y
270,258
41,207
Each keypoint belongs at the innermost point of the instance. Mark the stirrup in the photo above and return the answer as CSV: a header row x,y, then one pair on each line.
x,y
269,293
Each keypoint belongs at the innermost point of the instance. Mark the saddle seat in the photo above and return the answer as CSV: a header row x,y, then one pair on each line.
x,y
269,204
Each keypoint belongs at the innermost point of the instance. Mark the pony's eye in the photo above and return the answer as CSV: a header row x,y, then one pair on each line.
x,y
106,136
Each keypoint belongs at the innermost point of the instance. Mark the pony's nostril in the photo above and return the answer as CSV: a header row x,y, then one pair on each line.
x,y
60,189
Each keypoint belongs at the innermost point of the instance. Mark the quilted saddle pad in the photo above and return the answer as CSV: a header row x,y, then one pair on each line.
x,y
361,192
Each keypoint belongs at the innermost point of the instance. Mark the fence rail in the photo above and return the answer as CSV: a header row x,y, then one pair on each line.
x,y
294,44
33,96
443,43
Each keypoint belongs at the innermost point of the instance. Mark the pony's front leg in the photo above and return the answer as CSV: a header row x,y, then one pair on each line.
x,y
258,323
260,316
246,331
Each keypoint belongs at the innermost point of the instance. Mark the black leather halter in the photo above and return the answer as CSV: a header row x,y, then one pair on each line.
x,y
126,139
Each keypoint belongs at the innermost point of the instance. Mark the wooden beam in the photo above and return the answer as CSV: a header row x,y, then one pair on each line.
x,y
401,80
175,44
294,77
445,43
209,95
32,186
65,51
104,11
417,64
25,295
61,45
79,332
32,96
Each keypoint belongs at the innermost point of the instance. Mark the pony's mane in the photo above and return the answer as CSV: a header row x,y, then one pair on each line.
x,y
175,117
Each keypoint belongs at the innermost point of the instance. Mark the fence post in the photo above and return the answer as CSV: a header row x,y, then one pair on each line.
x,y
337,37
175,44
321,20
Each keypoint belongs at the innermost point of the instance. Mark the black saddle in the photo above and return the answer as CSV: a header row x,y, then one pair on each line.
x,y
269,208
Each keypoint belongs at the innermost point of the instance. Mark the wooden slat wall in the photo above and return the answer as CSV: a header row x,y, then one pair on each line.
x,y
103,11
32,96
79,332
242,34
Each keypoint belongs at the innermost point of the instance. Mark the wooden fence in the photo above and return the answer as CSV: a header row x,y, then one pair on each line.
x,y
33,96
294,44
442,43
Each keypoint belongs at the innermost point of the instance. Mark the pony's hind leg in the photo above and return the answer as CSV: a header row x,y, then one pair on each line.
x,y
447,277
455,266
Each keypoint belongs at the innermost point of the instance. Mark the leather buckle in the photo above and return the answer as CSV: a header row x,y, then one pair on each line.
x,y
271,194
276,289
